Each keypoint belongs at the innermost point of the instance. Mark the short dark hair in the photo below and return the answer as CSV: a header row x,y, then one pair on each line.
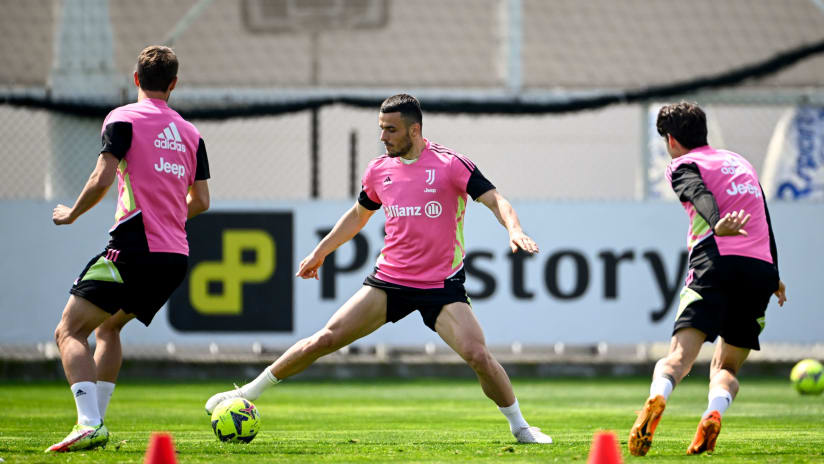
x,y
408,106
156,68
685,121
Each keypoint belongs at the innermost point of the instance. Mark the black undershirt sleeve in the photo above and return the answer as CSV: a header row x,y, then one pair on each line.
x,y
773,247
117,139
690,187
202,170
477,184
366,202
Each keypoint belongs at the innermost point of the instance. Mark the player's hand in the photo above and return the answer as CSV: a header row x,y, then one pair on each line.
x,y
62,214
521,240
781,293
732,224
308,268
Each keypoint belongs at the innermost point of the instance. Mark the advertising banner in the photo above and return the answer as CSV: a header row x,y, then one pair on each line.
x,y
608,272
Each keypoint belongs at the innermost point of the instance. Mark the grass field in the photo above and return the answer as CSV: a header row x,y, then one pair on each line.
x,y
427,420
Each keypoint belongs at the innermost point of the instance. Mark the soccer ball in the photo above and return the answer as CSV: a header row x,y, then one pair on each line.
x,y
236,420
808,377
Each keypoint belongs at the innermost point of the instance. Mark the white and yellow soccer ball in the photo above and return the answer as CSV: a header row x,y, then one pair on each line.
x,y
236,420
808,377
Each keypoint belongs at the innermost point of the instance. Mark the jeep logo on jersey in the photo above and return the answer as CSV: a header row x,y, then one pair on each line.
x,y
743,189
170,139
430,176
170,168
240,275
433,209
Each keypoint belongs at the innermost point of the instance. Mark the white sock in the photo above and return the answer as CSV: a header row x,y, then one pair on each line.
x,y
514,416
104,394
719,400
85,397
253,389
661,386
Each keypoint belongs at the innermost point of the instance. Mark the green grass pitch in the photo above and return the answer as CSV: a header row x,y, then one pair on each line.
x,y
425,420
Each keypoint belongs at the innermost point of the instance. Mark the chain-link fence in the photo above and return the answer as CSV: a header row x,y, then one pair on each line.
x,y
248,51
562,44
594,155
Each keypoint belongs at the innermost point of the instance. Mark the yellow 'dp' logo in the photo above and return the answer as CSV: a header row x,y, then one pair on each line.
x,y
232,272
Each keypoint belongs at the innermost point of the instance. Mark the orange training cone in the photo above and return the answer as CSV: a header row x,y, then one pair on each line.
x,y
161,449
604,449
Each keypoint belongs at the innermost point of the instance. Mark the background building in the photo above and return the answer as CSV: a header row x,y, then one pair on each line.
x,y
553,100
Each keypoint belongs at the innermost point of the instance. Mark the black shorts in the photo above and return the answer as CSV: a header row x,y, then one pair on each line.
x,y
727,296
139,283
402,300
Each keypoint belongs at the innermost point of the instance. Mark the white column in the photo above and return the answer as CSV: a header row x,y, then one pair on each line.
x,y
511,38
83,71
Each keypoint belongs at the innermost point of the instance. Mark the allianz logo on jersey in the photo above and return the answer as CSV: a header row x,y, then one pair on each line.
x,y
432,210
170,139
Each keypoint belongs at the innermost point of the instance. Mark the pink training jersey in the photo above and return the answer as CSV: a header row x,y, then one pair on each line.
x,y
733,182
424,203
161,155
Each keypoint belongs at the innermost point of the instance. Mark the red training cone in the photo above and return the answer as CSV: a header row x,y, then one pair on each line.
x,y
604,449
161,449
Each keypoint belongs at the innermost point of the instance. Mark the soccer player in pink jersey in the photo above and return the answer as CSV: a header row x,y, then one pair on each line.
x,y
162,170
422,188
732,273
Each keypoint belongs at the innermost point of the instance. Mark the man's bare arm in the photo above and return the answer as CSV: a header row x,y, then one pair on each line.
x,y
347,227
508,218
96,187
197,201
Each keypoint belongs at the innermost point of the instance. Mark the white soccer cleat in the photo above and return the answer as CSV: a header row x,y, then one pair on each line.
x,y
532,435
82,437
218,398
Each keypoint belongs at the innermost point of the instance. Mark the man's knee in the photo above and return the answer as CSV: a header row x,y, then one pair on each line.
x,y
64,331
478,357
324,340
59,334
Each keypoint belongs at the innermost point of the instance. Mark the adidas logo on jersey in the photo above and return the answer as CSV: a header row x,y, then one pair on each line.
x,y
387,181
170,139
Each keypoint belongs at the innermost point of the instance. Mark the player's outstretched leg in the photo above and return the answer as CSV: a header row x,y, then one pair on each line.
x,y
459,328
640,437
707,433
361,315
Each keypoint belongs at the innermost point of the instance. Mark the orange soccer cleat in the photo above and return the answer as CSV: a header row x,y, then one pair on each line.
x,y
640,437
707,433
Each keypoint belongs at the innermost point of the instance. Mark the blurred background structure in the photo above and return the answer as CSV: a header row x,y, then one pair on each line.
x,y
262,70
554,99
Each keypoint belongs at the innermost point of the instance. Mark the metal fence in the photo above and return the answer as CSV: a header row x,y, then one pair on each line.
x,y
596,155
